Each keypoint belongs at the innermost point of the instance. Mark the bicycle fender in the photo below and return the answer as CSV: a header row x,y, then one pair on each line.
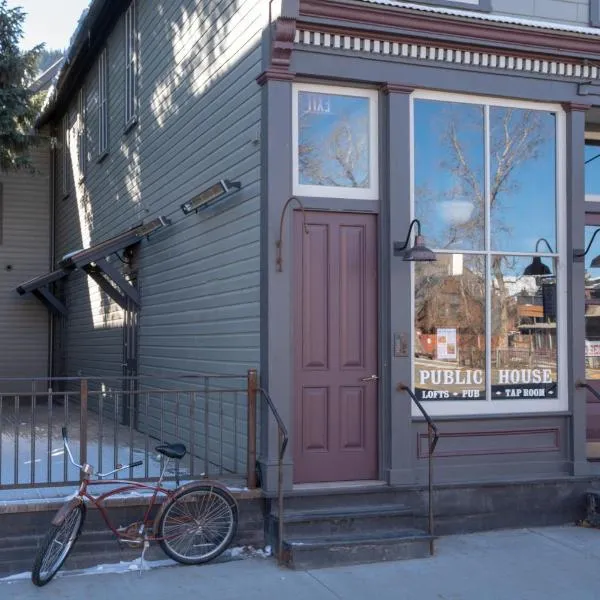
x,y
189,486
65,509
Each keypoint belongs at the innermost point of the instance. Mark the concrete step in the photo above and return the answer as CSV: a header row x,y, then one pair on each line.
x,y
355,548
334,519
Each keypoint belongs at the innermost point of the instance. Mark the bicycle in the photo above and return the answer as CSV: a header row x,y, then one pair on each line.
x,y
196,522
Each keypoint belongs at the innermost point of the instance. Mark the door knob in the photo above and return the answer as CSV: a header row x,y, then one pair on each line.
x,y
370,378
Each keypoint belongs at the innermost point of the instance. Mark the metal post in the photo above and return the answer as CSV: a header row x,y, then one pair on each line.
x,y
251,459
430,485
83,423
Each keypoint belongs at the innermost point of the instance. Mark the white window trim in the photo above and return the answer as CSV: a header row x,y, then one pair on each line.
x,y
324,191
66,178
81,134
491,406
102,104
131,59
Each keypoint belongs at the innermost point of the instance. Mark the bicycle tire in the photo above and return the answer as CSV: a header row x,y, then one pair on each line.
x,y
45,566
211,530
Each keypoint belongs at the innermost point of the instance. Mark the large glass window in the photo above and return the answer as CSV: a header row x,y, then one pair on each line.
x,y
486,189
592,170
335,142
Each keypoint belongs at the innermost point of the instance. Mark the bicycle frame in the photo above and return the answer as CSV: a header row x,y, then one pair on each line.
x,y
123,486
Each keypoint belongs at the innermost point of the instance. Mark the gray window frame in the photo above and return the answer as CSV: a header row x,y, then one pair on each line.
x,y
130,69
482,6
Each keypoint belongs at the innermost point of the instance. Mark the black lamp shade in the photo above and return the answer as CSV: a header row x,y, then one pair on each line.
x,y
537,267
595,262
419,252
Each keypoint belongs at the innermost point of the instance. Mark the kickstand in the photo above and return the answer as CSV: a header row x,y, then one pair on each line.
x,y
146,546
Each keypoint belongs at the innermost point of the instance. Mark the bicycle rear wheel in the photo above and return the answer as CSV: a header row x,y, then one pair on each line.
x,y
57,545
198,524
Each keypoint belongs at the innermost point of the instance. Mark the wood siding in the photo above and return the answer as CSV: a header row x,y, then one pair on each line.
x,y
24,254
198,122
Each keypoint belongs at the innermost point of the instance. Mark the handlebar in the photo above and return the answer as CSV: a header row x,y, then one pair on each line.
x,y
81,467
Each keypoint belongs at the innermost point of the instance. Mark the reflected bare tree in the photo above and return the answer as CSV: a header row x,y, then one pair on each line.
x,y
339,159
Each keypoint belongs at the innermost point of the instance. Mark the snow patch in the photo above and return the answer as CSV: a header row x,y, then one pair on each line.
x,y
247,552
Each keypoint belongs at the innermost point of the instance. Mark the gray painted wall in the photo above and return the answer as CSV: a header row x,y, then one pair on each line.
x,y
199,120
24,254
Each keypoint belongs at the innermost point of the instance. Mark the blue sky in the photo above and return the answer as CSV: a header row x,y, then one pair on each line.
x,y
49,21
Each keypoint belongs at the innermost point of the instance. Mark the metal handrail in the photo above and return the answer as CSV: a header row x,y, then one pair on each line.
x,y
283,442
587,386
432,437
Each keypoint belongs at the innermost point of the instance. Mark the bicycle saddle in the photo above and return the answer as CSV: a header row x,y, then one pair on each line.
x,y
172,450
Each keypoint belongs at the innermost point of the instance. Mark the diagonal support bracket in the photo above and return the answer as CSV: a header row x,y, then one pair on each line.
x,y
46,297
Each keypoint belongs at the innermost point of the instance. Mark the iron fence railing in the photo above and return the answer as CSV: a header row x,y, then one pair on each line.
x,y
120,420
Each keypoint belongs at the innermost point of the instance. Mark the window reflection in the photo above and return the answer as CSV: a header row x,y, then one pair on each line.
x,y
333,140
449,153
450,328
592,171
524,352
592,308
522,178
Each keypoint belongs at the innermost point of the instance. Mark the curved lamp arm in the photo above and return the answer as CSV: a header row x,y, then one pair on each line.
x,y
279,242
398,247
546,242
581,254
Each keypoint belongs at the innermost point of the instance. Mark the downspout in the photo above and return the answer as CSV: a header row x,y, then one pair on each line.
x,y
51,318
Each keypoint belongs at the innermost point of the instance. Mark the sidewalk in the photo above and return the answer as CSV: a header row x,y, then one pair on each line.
x,y
525,564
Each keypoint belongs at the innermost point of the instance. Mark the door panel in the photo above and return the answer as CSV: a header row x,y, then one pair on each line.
x,y
335,342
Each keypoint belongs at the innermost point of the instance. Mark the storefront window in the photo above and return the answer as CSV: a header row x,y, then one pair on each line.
x,y
592,170
335,142
486,182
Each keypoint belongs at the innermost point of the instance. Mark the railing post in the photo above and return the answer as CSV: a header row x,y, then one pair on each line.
x,y
83,422
251,458
430,486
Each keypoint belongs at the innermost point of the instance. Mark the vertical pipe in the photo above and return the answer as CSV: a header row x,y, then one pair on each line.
x,y
279,498
221,457
48,440
192,431
235,432
251,459
32,433
66,423
83,423
206,428
100,429
130,404
146,450
17,433
116,432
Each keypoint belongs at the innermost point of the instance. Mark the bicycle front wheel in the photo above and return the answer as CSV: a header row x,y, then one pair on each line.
x,y
198,524
57,545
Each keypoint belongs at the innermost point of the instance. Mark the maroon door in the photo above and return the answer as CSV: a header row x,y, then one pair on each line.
x,y
335,344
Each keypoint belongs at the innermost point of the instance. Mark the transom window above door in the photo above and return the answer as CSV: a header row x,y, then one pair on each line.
x,y
335,142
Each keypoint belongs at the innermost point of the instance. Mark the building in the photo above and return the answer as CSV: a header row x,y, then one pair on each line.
x,y
342,121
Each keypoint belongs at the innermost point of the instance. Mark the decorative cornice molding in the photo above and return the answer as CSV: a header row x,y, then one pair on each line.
x,y
274,75
445,54
396,88
421,24
283,43
576,106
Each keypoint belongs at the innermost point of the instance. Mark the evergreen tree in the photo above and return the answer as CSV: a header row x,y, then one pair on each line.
x,y
47,58
18,106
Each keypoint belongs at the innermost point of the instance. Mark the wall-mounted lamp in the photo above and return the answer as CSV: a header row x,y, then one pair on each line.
x,y
537,267
579,254
209,196
419,252
279,242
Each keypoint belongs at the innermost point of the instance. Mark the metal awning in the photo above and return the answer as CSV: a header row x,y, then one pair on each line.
x,y
39,287
93,262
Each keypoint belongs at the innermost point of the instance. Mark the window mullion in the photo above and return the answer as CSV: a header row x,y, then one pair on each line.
x,y
488,258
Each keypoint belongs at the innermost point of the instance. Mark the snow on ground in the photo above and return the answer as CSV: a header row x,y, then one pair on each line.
x,y
234,553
